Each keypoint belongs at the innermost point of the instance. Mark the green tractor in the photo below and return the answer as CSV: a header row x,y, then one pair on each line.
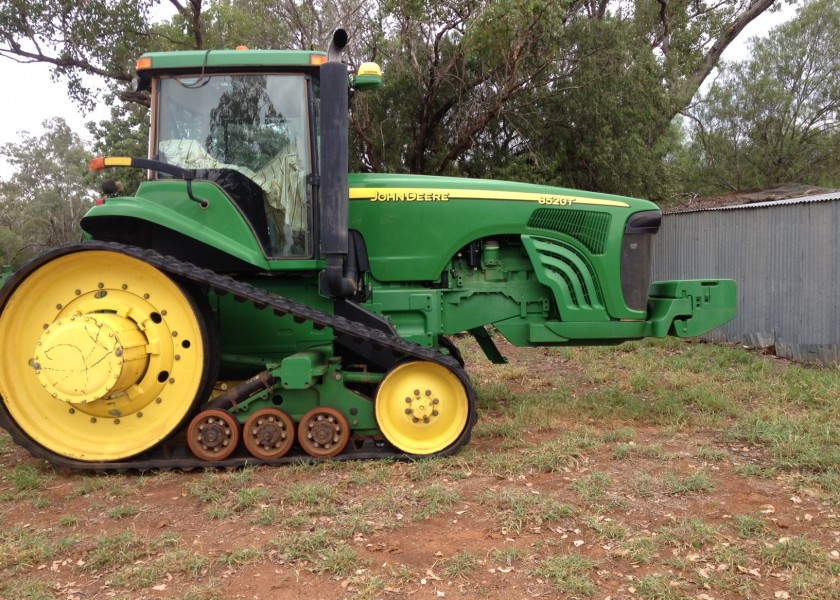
x,y
255,304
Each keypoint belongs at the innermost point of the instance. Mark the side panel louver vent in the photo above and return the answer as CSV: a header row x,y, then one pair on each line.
x,y
588,227
570,276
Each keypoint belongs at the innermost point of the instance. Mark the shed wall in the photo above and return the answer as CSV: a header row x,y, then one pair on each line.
x,y
784,259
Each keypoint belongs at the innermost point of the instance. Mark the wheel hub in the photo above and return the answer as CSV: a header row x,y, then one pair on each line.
x,y
212,434
269,433
84,358
422,406
323,431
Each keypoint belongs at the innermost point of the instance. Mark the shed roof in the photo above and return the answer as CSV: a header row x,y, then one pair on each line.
x,y
782,196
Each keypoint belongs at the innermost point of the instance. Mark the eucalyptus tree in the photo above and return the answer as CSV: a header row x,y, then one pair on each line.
x,y
46,195
776,117
581,92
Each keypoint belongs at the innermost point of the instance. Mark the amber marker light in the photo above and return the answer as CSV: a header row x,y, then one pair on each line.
x,y
144,62
242,47
97,164
317,59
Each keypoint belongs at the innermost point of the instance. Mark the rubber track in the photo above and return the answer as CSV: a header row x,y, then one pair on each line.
x,y
175,453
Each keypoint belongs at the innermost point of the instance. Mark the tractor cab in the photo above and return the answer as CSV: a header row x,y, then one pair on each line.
x,y
269,129
252,134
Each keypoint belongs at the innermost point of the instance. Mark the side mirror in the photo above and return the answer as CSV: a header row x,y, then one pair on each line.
x,y
368,77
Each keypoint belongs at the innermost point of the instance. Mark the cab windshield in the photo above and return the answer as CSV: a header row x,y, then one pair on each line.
x,y
256,125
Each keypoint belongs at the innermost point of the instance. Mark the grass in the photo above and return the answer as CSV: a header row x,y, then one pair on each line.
x,y
642,451
317,498
693,533
517,511
569,573
21,547
750,526
123,511
461,565
659,587
507,556
434,499
630,449
791,552
593,487
638,550
303,547
242,556
340,560
116,550
68,521
27,589
607,529
319,550
144,574
555,455
701,481
30,478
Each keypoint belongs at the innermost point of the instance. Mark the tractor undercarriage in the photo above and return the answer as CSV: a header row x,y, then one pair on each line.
x,y
123,363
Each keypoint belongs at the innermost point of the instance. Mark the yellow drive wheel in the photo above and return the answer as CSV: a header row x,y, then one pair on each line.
x,y
421,407
103,355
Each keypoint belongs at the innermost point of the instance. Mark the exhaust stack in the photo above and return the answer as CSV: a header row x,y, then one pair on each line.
x,y
336,280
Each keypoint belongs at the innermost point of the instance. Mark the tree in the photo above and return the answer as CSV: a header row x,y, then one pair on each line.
x,y
471,86
42,202
580,93
126,133
776,118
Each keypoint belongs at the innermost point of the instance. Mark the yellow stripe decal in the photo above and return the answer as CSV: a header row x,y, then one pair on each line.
x,y
446,194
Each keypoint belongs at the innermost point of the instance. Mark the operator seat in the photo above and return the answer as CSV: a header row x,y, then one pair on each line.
x,y
273,199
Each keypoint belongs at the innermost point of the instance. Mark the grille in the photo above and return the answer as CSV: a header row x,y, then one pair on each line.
x,y
588,227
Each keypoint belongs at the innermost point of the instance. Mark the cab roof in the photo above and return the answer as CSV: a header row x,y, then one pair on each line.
x,y
225,60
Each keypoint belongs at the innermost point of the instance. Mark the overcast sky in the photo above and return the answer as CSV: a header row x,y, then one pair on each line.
x,y
30,96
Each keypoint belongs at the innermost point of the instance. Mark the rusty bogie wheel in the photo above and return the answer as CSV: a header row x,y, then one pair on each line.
x,y
269,433
213,435
323,432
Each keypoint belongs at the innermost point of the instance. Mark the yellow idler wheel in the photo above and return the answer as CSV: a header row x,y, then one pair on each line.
x,y
103,356
421,407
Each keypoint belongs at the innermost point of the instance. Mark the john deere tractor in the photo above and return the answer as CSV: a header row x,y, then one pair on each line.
x,y
255,304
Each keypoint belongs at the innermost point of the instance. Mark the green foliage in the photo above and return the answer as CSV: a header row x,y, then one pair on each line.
x,y
27,589
117,550
433,499
42,202
751,526
460,565
29,478
580,94
22,547
126,133
776,117
570,573
76,38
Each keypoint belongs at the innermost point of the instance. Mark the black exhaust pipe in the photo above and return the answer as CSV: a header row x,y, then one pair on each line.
x,y
336,281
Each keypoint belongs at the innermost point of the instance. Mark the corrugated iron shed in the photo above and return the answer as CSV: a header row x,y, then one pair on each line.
x,y
771,203
784,256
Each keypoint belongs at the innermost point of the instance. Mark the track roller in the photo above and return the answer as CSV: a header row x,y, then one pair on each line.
x,y
213,435
269,433
323,432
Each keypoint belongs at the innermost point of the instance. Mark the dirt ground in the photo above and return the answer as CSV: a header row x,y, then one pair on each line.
x,y
604,521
